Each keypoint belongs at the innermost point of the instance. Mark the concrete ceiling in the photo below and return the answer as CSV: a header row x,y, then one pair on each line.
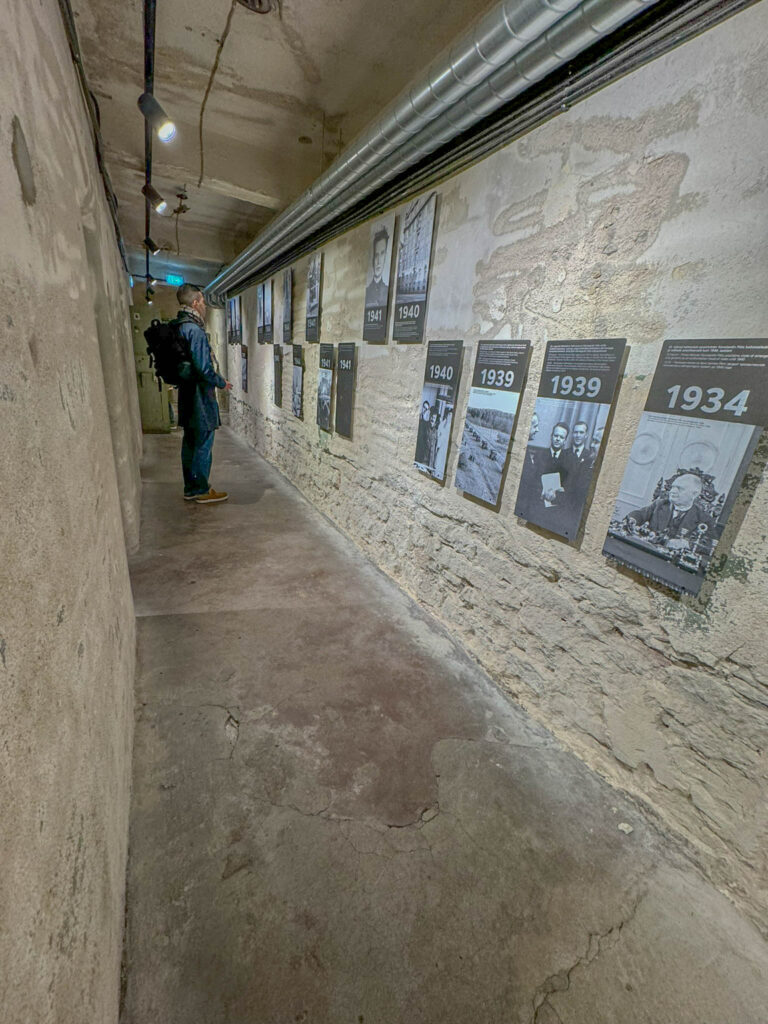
x,y
311,70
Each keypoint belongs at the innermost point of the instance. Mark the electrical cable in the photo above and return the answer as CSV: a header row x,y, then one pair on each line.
x,y
208,88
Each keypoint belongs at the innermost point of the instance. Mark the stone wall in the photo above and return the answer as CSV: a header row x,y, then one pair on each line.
x,y
69,468
640,213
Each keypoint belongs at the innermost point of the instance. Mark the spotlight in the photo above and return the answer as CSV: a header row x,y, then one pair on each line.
x,y
157,117
150,293
155,198
153,247
152,281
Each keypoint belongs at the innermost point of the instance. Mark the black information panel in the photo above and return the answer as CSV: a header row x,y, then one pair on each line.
x,y
277,356
705,411
287,305
234,322
244,367
413,259
376,312
268,311
578,385
345,388
437,406
494,401
314,282
260,313
325,387
297,386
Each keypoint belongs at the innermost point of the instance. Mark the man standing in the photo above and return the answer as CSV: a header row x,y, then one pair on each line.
x,y
377,291
579,447
198,408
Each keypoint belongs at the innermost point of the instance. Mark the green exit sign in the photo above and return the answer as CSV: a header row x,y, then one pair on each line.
x,y
174,279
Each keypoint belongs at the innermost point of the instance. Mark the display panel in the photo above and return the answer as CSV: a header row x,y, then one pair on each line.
x,y
705,411
277,393
297,386
234,321
260,313
437,406
567,431
413,259
376,310
325,387
287,304
244,367
268,311
494,401
345,388
314,286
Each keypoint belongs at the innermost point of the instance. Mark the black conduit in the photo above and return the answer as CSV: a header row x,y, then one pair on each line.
x,y
93,115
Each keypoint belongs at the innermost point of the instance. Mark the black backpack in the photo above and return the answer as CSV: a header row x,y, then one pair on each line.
x,y
167,350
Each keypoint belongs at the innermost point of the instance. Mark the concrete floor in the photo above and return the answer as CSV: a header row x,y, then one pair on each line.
x,y
338,819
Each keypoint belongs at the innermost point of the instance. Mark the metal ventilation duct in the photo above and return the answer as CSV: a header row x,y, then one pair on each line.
x,y
507,50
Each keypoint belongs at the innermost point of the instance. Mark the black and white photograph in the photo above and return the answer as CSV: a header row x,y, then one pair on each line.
x,y
436,407
376,312
325,387
314,286
260,313
345,388
244,367
706,408
287,305
297,387
234,321
414,253
494,400
567,432
277,394
268,311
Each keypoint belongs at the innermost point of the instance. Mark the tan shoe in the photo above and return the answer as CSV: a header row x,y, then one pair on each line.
x,y
211,497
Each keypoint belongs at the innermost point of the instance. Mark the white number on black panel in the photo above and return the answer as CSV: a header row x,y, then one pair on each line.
x,y
497,378
437,372
579,387
409,312
345,364
693,397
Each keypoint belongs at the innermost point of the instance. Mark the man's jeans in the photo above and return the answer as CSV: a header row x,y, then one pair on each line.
x,y
196,456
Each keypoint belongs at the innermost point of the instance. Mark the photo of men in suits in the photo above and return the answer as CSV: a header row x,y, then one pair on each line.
x,y
558,473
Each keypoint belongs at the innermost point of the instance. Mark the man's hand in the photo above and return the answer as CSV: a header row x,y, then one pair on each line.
x,y
228,386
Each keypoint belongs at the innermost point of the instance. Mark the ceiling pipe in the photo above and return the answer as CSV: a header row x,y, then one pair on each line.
x,y
507,50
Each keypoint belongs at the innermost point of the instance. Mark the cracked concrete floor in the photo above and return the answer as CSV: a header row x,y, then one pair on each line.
x,y
338,819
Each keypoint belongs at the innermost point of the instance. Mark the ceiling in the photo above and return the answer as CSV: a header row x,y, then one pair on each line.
x,y
292,88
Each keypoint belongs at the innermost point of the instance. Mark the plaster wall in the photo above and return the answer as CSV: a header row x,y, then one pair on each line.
x,y
639,213
68,509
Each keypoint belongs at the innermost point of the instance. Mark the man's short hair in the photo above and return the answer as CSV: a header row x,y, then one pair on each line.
x,y
697,481
187,293
581,423
382,235
565,427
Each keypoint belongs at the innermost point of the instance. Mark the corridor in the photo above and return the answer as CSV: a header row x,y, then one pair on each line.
x,y
338,819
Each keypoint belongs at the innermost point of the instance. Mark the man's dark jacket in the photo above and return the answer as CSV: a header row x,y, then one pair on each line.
x,y
660,519
198,407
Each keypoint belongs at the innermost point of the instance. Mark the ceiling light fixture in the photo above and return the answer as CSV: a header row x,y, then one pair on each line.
x,y
151,246
157,117
155,198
